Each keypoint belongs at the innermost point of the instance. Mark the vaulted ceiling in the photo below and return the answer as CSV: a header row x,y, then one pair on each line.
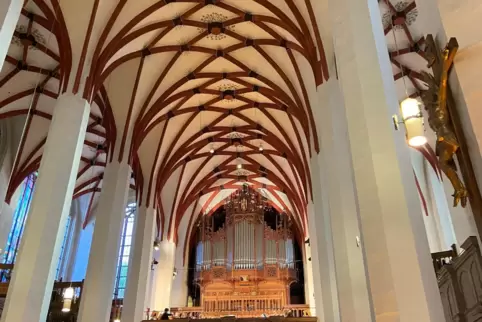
x,y
200,96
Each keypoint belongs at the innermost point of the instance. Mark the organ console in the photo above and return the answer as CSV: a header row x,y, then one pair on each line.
x,y
245,265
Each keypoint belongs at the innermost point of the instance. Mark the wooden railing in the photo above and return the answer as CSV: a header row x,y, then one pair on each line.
x,y
460,282
289,313
256,319
299,310
441,259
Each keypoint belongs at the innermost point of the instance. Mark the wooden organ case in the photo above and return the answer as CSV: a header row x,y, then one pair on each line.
x,y
246,266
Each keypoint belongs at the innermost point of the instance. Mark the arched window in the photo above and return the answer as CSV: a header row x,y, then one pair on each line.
x,y
124,251
64,249
18,225
19,219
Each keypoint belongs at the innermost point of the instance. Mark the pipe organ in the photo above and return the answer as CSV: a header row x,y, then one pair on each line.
x,y
246,263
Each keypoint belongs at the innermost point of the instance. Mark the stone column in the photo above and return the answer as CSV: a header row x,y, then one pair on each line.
x,y
179,287
9,15
135,300
179,291
402,282
98,289
31,286
163,276
321,245
334,161
308,273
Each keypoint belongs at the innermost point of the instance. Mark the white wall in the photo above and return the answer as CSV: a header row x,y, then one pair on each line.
x,y
445,225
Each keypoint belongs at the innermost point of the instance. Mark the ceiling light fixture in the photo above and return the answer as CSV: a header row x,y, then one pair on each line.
x,y
240,166
412,116
413,119
68,298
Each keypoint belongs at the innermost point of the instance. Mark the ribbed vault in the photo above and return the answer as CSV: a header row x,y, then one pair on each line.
x,y
199,96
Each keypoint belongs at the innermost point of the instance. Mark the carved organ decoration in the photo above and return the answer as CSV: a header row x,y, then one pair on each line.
x,y
245,266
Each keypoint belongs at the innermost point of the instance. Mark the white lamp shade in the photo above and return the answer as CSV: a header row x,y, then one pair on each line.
x,y
69,293
410,108
67,305
415,132
68,297
413,120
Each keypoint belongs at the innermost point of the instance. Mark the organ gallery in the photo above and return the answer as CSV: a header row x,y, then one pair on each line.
x,y
246,258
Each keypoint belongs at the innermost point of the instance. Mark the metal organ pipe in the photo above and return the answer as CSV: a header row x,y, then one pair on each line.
x,y
245,244
259,245
236,245
290,253
245,241
251,246
245,249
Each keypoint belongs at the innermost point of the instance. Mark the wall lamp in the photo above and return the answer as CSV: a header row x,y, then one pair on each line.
x,y
413,119
156,244
68,298
174,273
154,264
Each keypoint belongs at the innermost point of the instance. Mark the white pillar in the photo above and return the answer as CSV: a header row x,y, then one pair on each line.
x,y
9,15
31,286
334,161
98,289
161,288
402,281
321,245
179,288
138,278
308,274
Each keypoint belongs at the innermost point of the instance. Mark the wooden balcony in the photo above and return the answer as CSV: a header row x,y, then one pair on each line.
x,y
459,279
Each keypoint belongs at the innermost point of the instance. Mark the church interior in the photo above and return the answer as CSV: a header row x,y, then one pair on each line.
x,y
299,160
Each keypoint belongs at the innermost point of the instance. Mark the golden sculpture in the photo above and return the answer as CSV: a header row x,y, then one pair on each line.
x,y
435,101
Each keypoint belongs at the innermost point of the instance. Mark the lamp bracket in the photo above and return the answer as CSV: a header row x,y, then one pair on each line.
x,y
396,122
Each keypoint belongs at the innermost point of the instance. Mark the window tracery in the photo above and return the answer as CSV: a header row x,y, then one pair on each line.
x,y
124,251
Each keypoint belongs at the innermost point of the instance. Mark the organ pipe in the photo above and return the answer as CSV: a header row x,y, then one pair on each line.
x,y
245,241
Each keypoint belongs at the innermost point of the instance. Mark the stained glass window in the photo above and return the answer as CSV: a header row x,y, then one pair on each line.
x,y
63,249
124,251
19,219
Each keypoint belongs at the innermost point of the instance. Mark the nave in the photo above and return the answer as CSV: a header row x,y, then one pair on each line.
x,y
268,159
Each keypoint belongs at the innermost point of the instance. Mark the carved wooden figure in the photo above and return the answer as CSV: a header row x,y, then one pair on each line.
x,y
435,101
